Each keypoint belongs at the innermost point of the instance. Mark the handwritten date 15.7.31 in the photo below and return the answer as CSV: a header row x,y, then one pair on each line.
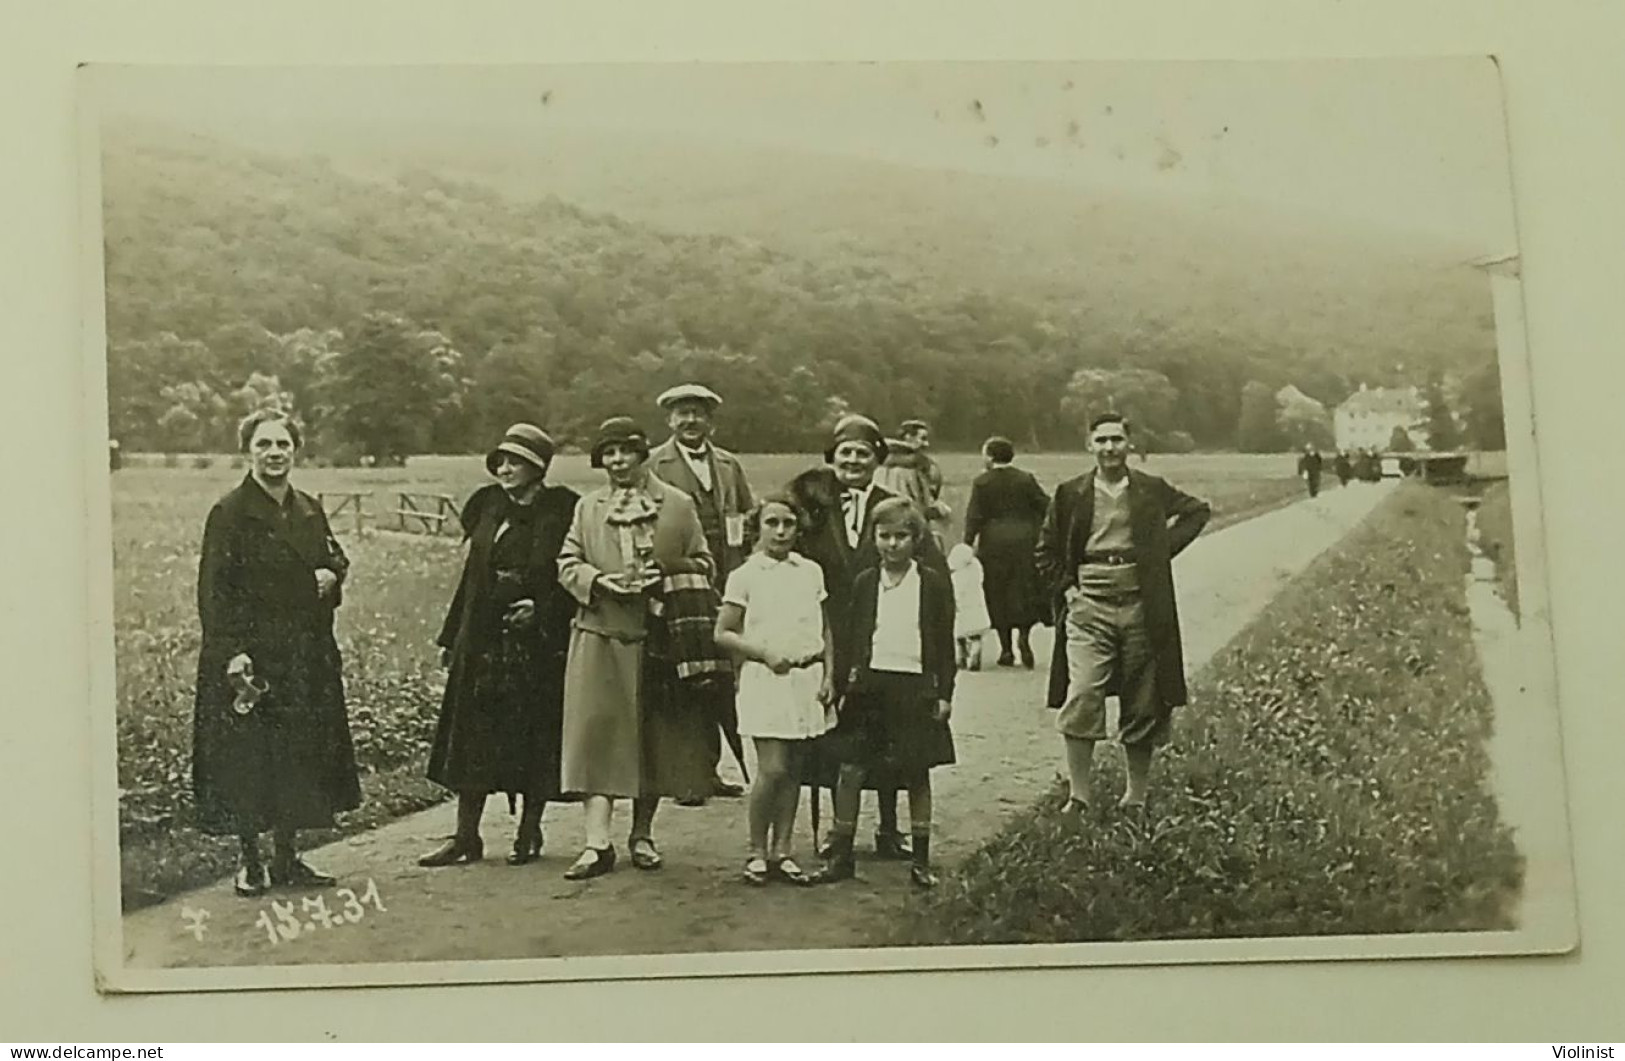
x,y
288,926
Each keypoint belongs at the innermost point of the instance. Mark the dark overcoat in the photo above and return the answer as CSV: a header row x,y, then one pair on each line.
x,y
290,762
502,715
823,538
1002,519
1163,520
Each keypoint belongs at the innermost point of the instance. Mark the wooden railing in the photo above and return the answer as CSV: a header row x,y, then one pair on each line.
x,y
428,514
336,503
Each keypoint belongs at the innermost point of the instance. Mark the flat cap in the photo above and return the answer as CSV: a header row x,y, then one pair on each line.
x,y
688,392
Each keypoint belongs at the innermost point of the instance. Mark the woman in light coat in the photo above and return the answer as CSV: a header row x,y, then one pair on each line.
x,y
629,728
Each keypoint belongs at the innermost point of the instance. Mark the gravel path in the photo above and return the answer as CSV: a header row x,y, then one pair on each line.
x,y
1008,755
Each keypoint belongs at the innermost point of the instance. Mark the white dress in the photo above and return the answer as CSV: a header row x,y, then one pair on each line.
x,y
970,604
783,602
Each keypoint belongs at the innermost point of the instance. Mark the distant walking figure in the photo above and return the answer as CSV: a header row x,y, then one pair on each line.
x,y
1310,466
1002,519
1104,554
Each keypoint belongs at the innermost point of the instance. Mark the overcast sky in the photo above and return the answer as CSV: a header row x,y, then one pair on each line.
x,y
1413,146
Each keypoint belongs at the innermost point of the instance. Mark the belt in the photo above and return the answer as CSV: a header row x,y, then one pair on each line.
x,y
1109,559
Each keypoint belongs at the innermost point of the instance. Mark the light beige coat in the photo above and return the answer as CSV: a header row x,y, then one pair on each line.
x,y
618,739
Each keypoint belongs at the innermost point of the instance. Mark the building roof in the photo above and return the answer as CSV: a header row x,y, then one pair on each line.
x,y
1379,400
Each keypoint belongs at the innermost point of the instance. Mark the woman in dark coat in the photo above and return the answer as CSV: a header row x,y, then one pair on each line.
x,y
838,503
504,640
271,748
1002,519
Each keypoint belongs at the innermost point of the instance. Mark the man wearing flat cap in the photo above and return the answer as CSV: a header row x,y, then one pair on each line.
x,y
916,435
716,481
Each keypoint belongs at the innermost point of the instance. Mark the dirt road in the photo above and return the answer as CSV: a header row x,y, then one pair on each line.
x,y
1008,755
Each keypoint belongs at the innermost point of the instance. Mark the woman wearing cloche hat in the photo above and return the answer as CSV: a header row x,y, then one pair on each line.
x,y
504,640
628,730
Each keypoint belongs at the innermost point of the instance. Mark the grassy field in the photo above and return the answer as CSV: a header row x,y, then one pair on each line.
x,y
394,603
1329,777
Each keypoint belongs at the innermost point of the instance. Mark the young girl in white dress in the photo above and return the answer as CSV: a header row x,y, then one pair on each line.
x,y
971,621
774,618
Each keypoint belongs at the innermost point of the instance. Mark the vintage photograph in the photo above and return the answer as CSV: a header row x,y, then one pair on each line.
x,y
698,519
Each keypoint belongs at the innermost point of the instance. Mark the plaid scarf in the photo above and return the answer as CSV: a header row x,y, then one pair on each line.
x,y
685,610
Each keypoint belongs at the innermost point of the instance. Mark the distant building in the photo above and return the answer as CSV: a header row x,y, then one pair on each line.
x,y
1367,418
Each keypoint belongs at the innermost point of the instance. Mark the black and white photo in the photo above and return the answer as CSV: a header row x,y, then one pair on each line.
x,y
707,519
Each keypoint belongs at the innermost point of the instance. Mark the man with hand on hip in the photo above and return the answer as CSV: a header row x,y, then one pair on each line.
x,y
1104,555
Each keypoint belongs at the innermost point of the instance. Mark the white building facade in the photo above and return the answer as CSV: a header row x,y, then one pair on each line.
x,y
1367,418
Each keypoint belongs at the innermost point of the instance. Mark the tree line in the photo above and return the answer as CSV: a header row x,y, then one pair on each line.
x,y
424,314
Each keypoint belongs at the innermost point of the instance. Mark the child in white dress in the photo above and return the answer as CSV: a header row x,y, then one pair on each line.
x,y
971,620
773,619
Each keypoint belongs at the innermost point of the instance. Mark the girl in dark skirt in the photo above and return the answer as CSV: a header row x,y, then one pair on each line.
x,y
895,667
504,640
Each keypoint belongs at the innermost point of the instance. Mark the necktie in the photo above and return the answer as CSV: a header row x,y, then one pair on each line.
x,y
852,509
699,463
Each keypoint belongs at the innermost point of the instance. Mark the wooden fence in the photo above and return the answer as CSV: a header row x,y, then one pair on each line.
x,y
339,503
428,514
414,513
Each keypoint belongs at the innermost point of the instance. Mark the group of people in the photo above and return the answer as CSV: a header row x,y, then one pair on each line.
x,y
1364,465
606,646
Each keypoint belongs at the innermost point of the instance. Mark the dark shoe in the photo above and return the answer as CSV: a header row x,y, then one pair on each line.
x,y
921,876
296,873
756,871
251,881
726,789
894,846
691,801
1006,660
1027,658
594,862
527,848
786,870
644,855
833,872
454,852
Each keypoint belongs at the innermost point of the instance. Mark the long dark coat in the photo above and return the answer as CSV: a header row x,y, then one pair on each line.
x,y
1163,520
823,539
502,715
290,762
1002,519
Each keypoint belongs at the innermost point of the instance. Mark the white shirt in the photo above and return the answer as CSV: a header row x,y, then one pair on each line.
x,y
1109,488
698,463
783,601
896,644
854,508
